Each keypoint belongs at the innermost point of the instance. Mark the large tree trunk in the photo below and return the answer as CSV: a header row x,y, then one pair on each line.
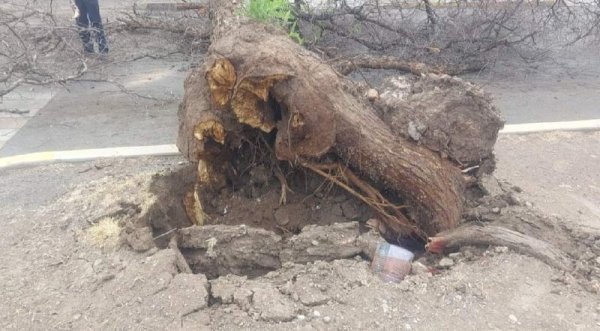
x,y
256,78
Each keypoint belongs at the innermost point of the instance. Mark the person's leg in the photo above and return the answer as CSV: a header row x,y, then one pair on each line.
x,y
83,25
96,22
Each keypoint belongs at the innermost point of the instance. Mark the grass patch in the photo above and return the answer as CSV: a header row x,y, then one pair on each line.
x,y
105,233
277,12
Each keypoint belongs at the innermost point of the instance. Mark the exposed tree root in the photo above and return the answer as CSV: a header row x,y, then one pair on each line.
x,y
390,213
476,235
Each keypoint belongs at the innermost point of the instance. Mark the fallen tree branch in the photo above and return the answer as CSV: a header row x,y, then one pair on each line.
x,y
166,6
14,111
181,26
347,65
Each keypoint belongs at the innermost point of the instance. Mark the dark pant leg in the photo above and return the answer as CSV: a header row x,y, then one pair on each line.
x,y
83,25
93,11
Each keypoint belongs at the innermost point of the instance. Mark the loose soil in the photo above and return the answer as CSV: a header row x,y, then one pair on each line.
x,y
88,246
53,274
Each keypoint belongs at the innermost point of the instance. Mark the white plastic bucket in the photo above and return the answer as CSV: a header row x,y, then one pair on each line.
x,y
392,263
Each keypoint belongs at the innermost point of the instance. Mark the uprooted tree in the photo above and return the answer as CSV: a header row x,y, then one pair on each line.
x,y
408,153
413,151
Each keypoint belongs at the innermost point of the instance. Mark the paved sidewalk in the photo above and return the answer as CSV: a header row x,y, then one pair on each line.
x,y
19,106
99,114
559,171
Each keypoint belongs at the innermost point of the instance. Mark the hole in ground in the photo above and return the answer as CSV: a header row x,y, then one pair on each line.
x,y
250,225
253,218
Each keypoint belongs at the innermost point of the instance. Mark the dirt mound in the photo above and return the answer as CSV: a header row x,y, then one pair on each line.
x,y
444,113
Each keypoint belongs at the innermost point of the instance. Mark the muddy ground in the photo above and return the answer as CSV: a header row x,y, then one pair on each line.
x,y
85,245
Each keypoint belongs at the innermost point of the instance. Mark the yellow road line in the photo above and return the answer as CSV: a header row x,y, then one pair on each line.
x,y
87,154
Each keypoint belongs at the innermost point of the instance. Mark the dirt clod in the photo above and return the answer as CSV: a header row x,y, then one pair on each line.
x,y
140,239
445,263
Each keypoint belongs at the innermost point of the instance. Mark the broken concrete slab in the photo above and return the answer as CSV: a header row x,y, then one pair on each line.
x,y
327,243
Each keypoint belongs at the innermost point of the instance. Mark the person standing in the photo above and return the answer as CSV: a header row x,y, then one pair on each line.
x,y
87,16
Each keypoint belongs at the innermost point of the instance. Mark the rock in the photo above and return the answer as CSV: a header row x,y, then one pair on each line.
x,y
445,263
372,94
316,313
301,317
513,318
140,239
598,260
528,204
419,268
496,210
326,319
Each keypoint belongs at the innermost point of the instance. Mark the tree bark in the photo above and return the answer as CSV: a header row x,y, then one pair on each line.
x,y
254,76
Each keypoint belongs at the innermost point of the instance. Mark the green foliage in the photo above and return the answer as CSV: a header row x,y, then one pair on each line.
x,y
278,12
